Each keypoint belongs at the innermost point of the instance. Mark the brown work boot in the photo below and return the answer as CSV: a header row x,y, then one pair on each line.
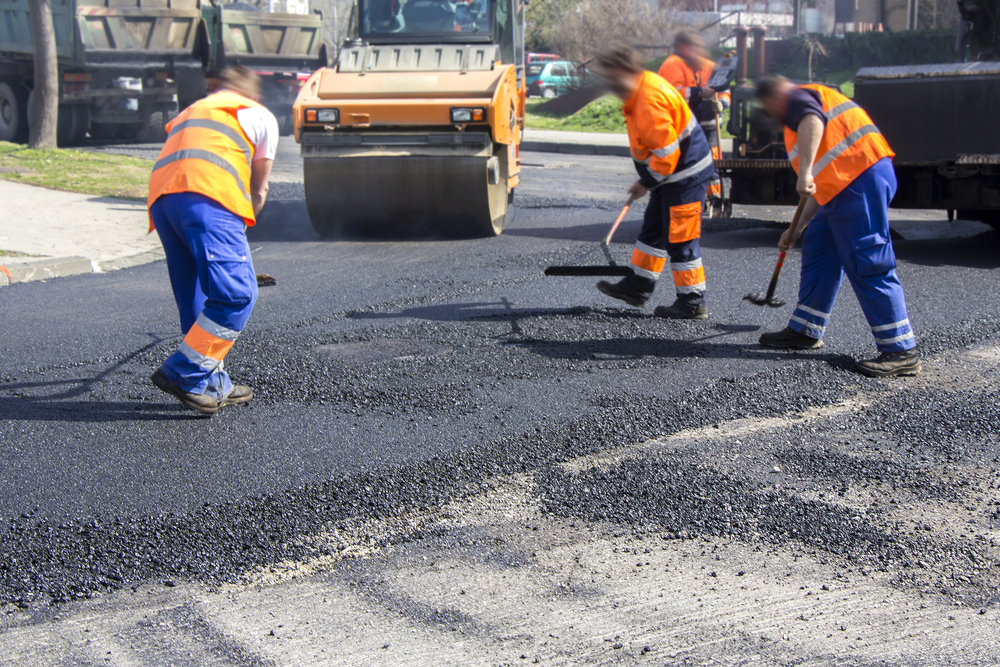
x,y
240,394
622,291
790,339
681,310
202,403
890,364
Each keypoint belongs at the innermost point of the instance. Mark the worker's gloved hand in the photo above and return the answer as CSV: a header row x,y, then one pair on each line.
x,y
805,186
638,190
718,107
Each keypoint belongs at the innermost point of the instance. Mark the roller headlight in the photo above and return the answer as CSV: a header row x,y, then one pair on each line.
x,y
467,115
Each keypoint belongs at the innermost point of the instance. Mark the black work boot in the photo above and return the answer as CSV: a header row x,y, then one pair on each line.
x,y
889,364
681,310
202,403
240,394
790,339
623,291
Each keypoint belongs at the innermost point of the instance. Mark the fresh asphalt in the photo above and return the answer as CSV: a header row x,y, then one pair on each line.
x,y
393,375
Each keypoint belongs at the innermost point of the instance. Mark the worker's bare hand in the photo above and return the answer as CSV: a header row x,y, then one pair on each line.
x,y
788,241
707,92
638,190
805,186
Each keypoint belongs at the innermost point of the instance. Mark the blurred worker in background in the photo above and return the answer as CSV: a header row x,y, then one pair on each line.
x,y
689,70
844,166
207,186
674,163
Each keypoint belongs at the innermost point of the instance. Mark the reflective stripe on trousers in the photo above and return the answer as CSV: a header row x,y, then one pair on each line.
x,y
654,247
850,236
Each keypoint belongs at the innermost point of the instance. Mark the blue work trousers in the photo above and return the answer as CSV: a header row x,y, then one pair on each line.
x,y
214,284
850,234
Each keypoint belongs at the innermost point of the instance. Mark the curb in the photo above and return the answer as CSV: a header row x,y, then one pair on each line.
x,y
575,149
61,267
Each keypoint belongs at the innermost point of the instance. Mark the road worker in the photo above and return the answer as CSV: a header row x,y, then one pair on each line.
x,y
689,71
674,163
844,166
207,186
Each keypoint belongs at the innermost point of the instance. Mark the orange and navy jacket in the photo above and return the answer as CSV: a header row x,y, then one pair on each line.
x,y
851,143
209,153
689,82
668,146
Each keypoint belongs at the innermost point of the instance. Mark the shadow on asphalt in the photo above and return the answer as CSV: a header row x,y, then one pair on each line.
x,y
55,400
617,349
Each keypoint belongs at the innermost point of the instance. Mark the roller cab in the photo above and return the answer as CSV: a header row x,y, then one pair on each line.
x,y
416,128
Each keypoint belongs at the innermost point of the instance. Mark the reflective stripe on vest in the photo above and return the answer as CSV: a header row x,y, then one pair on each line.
x,y
850,144
208,153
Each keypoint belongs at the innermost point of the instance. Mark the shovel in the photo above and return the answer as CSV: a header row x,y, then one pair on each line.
x,y
612,269
768,299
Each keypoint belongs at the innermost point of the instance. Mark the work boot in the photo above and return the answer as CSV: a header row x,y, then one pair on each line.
x,y
202,403
681,310
240,394
622,291
790,339
889,364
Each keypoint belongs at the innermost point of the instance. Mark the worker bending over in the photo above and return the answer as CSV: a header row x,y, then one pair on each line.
x,y
844,166
689,71
208,184
674,163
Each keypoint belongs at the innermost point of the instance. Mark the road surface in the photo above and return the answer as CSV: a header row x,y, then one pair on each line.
x,y
453,459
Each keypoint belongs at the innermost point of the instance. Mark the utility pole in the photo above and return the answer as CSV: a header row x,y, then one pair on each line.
x,y
43,111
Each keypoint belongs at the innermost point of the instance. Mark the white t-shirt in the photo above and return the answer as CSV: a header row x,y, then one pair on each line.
x,y
261,128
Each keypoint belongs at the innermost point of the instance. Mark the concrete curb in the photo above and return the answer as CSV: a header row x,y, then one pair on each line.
x,y
574,148
26,271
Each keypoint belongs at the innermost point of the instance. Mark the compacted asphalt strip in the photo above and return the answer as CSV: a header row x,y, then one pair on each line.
x,y
400,375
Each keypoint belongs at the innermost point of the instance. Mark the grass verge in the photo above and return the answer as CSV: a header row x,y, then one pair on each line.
x,y
601,115
76,171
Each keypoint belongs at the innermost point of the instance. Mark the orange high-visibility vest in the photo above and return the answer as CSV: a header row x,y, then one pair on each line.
x,y
851,143
679,74
209,153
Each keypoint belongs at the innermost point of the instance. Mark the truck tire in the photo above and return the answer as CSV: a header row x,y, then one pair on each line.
x,y
13,112
153,128
81,124
71,128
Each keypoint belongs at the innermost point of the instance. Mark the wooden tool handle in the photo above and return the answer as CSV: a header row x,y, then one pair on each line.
x,y
784,253
621,216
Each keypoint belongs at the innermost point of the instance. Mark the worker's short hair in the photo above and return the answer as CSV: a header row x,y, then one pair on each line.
x,y
688,37
768,86
241,79
621,57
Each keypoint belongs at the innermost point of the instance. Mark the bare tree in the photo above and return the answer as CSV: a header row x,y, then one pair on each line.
x,y
43,112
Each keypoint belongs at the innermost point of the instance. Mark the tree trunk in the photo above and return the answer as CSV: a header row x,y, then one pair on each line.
x,y
43,112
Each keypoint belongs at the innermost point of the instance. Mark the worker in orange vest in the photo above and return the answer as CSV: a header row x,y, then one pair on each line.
x,y
689,71
207,186
674,162
844,167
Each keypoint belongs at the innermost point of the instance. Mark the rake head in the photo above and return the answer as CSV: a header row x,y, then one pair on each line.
x,y
761,299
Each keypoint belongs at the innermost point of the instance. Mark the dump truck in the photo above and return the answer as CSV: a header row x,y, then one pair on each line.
x,y
118,62
940,120
417,126
282,48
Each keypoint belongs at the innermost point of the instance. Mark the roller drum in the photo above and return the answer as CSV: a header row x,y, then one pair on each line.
x,y
374,196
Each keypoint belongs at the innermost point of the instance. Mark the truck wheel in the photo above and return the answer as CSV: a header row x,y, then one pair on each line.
x,y
13,112
81,124
71,128
153,129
